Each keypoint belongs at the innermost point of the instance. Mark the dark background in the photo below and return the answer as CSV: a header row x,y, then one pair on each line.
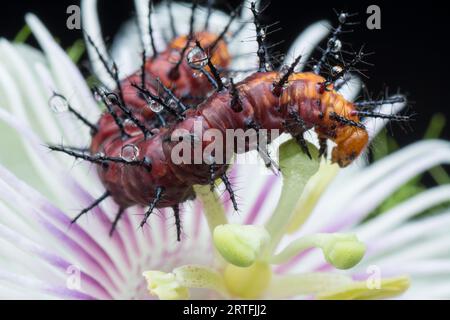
x,y
410,48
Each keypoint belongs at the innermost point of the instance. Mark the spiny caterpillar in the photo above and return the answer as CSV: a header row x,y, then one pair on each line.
x,y
169,72
135,161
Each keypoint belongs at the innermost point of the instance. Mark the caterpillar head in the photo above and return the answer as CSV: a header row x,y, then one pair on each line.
x,y
349,145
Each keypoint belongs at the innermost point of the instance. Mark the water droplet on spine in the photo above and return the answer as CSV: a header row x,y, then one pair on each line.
x,y
129,152
58,103
225,81
110,98
335,45
342,17
210,159
172,104
97,96
197,58
130,127
284,69
263,34
155,106
336,70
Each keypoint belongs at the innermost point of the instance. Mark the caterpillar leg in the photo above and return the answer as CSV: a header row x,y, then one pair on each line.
x,y
297,128
158,195
302,143
176,213
236,103
268,161
323,147
116,220
93,205
262,150
230,191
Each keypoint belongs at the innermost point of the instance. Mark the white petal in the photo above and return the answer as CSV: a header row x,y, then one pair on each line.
x,y
126,50
391,219
307,41
91,26
142,9
374,125
378,173
67,77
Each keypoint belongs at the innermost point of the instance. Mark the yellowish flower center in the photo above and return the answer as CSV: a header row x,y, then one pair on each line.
x,y
250,282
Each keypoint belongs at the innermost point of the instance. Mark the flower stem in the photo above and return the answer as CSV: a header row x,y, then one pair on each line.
x,y
312,193
297,168
213,208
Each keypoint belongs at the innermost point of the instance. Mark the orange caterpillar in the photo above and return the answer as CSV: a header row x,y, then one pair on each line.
x,y
136,165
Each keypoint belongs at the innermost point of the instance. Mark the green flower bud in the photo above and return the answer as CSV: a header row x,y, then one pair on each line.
x,y
343,251
240,245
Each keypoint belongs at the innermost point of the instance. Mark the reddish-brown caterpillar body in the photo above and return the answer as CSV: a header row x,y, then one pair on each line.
x,y
180,79
302,98
135,160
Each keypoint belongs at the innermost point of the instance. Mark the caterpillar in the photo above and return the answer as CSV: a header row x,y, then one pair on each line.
x,y
170,71
135,162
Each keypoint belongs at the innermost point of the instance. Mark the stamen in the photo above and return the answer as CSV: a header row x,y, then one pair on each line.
x,y
240,245
343,251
